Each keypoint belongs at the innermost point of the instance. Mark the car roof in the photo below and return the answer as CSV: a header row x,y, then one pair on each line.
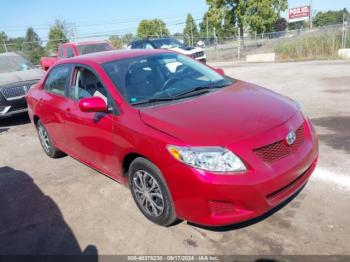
x,y
85,43
108,56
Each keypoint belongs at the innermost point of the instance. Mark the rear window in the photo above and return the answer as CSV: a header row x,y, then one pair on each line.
x,y
95,48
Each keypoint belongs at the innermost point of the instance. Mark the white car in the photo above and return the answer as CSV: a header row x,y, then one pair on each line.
x,y
170,44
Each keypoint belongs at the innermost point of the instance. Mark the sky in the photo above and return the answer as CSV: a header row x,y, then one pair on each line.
x,y
107,17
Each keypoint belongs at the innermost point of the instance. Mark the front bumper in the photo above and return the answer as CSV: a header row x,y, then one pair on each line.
x,y
216,199
13,107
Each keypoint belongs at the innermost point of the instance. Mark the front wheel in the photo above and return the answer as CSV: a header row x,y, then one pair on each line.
x,y
46,142
150,192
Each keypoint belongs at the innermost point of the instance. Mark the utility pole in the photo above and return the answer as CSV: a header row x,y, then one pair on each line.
x,y
191,34
5,45
160,28
343,33
310,15
207,31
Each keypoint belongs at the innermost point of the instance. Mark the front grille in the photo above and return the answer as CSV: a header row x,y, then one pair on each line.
x,y
198,54
16,91
280,149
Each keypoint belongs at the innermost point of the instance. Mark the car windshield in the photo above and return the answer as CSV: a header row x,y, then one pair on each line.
x,y
162,77
94,48
168,43
14,63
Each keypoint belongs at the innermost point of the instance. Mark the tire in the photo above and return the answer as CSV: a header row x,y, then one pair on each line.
x,y
46,141
153,200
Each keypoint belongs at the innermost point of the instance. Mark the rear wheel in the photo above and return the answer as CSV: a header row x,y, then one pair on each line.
x,y
150,192
46,142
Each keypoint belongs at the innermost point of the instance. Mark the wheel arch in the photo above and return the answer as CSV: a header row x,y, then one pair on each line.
x,y
128,159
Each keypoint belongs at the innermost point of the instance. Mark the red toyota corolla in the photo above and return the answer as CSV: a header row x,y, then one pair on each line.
x,y
190,142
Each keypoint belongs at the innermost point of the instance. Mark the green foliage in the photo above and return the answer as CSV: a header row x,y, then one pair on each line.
x,y
3,37
31,47
330,17
190,33
116,41
259,15
262,15
127,39
152,28
57,35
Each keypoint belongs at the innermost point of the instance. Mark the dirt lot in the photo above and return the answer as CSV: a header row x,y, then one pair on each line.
x,y
62,206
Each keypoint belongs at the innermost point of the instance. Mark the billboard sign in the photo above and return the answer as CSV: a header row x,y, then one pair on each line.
x,y
301,13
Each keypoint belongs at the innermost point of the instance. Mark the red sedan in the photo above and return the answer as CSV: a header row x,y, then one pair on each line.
x,y
190,142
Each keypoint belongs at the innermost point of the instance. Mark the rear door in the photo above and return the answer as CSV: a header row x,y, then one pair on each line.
x,y
53,102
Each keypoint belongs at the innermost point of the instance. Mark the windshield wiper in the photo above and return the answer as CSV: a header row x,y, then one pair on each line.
x,y
198,91
194,91
153,100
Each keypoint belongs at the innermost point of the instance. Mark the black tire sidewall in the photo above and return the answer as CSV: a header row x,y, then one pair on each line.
x,y
168,216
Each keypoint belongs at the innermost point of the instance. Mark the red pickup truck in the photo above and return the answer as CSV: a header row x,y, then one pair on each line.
x,y
68,50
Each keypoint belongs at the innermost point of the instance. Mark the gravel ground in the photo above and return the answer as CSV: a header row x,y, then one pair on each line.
x,y
61,206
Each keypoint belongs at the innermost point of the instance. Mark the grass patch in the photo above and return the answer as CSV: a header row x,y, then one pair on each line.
x,y
318,45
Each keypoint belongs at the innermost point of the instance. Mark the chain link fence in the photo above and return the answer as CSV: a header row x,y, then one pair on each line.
x,y
296,45
292,45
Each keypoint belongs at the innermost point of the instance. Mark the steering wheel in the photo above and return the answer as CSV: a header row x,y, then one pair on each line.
x,y
167,83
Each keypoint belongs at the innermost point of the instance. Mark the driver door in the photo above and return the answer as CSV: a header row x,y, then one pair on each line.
x,y
90,135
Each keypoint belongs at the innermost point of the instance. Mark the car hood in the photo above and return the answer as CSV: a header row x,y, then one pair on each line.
x,y
222,117
20,76
187,51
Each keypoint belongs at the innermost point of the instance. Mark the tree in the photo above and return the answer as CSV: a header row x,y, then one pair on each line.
x,y
31,46
127,39
280,25
330,17
190,33
3,39
57,35
116,41
152,28
260,15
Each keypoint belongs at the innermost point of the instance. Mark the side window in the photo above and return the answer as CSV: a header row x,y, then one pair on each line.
x,y
70,52
57,79
148,46
86,84
138,45
61,51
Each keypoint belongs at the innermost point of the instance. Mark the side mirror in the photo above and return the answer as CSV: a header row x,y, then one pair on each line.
x,y
220,71
93,104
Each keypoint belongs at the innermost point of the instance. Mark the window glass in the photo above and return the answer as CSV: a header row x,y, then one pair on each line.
x,y
86,84
69,52
10,62
57,80
148,46
61,51
161,76
93,48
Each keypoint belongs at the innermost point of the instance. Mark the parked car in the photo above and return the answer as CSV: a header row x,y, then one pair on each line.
x,y
69,50
190,142
17,75
170,44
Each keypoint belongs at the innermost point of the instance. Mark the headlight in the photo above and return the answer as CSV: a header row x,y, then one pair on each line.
x,y
300,107
216,159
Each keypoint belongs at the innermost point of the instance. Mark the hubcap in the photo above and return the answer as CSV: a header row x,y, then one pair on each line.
x,y
148,193
44,138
